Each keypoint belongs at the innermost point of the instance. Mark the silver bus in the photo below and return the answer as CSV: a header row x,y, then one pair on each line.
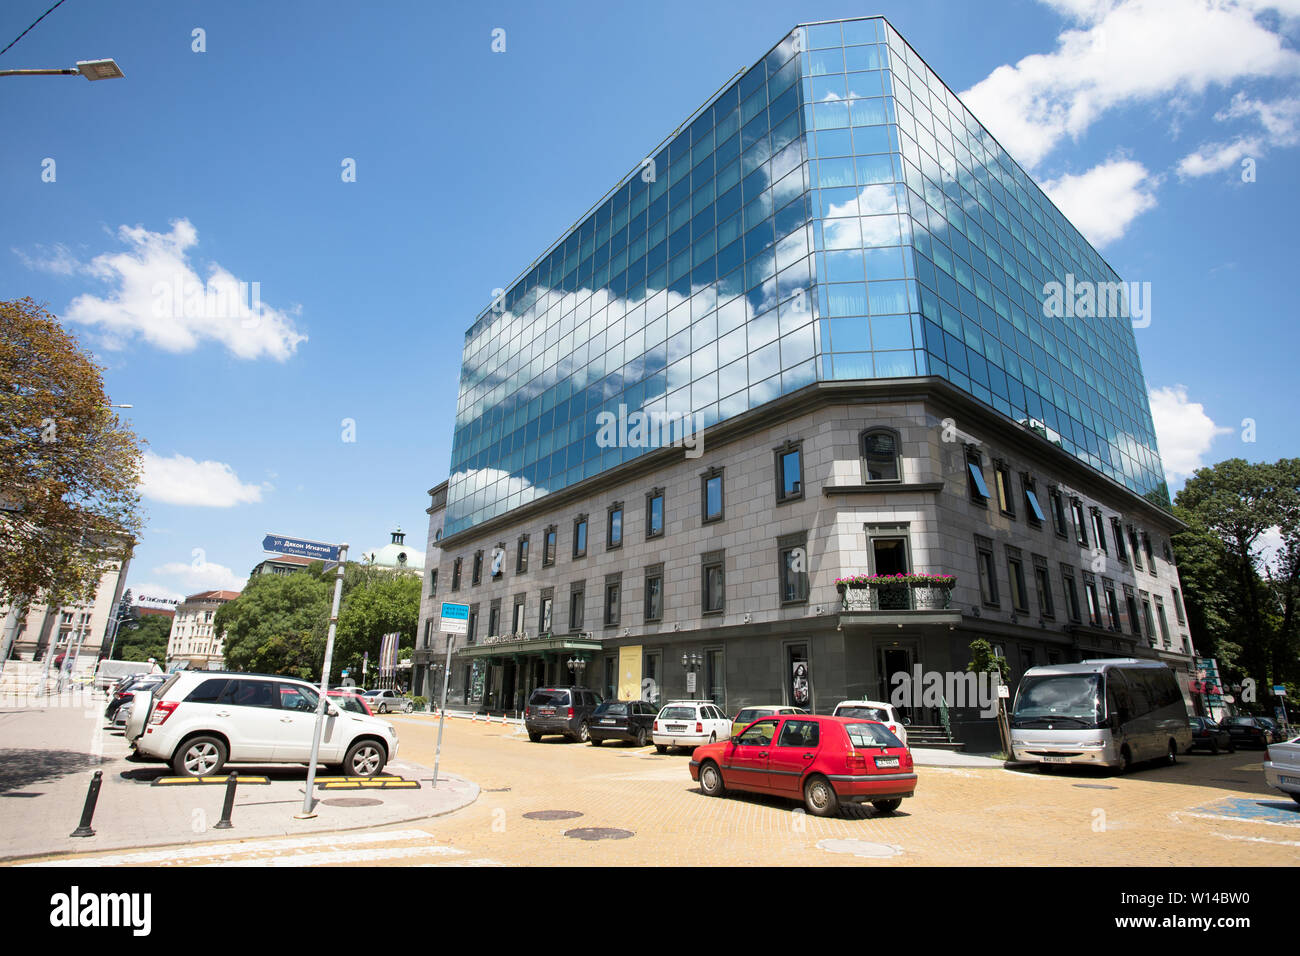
x,y
1104,713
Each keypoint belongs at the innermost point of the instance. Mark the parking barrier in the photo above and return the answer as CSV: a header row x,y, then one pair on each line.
x,y
88,809
228,807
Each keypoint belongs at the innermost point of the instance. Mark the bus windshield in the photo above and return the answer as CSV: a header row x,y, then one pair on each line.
x,y
1066,700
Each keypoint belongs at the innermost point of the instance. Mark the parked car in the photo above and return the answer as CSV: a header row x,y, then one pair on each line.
x,y
629,720
122,696
1274,731
689,723
346,700
1248,730
109,673
750,714
561,710
382,701
199,720
1282,767
824,761
887,714
1207,735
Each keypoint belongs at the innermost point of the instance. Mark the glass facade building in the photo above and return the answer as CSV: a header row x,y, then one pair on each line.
x,y
835,213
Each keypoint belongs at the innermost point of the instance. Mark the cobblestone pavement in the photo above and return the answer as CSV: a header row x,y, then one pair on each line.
x,y
631,806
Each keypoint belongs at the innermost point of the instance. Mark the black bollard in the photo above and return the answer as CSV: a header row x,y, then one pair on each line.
x,y
232,782
88,811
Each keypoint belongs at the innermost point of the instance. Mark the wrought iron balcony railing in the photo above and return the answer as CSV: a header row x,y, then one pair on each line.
x,y
893,597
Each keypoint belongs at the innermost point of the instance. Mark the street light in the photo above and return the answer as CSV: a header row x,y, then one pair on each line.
x,y
90,69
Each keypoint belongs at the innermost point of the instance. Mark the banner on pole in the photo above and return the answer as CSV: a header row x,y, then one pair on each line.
x,y
388,654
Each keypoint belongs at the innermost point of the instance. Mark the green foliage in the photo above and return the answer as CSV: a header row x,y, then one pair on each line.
x,y
378,603
982,658
420,703
139,640
277,625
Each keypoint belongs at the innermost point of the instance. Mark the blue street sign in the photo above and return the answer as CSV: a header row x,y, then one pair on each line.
x,y
455,619
299,548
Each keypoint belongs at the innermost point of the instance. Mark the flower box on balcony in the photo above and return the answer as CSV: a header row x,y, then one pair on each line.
x,y
945,581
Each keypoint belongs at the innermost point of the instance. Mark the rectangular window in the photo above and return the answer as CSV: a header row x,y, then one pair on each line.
x,y
494,619
654,593
1112,605
1016,575
1071,594
1033,509
1135,548
1164,622
613,599
1131,605
713,582
1151,558
1058,512
711,505
520,623
1117,533
979,491
1178,607
1094,602
473,625
477,575
792,557
1080,526
654,513
1002,482
521,556
455,575
545,622
1099,529
1043,587
1147,619
548,547
789,472
580,536
577,608
614,534
433,583
987,571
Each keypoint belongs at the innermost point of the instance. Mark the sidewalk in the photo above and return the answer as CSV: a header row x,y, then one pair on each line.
x,y
936,757
48,756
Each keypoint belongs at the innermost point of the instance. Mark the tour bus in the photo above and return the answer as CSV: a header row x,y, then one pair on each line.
x,y
1104,713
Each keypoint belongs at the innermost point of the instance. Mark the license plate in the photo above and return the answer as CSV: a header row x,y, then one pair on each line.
x,y
1053,759
886,761
548,711
607,720
1292,780
676,728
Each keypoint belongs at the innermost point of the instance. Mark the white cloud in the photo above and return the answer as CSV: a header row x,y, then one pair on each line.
x,y
1183,430
1280,120
200,575
179,480
156,293
1103,201
1268,547
1124,53
57,259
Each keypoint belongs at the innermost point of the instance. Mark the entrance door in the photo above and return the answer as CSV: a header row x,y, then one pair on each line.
x,y
508,701
651,678
889,556
891,661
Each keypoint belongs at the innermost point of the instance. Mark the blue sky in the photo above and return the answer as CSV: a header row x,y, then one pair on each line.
x,y
227,165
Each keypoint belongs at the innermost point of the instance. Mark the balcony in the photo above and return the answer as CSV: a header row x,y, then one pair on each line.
x,y
899,593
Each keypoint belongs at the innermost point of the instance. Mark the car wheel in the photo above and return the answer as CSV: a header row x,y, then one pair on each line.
x,y
711,784
383,708
887,806
595,741
1171,757
661,748
819,797
534,737
584,732
365,758
640,737
199,757
1126,756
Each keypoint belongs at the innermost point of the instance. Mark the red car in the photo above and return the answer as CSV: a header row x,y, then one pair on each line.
x,y
346,700
825,761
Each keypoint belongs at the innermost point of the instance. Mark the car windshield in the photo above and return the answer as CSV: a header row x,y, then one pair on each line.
x,y
863,713
612,709
1241,721
677,713
871,735
549,698
1075,697
745,716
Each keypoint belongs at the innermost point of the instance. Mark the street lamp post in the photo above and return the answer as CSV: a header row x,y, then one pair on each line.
x,y
691,662
91,69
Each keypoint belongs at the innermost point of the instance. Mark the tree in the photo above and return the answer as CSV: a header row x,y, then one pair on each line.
x,y
277,625
69,503
142,638
378,604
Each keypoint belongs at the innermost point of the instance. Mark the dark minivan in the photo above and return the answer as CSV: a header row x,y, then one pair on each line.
x,y
629,720
561,710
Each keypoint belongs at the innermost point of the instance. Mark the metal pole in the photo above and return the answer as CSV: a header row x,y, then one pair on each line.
x,y
11,630
442,715
228,806
88,809
308,810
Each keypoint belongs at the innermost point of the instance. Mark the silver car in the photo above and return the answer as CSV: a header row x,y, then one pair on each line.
x,y
1282,768
383,701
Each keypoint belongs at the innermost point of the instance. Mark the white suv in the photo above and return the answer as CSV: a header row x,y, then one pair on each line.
x,y
887,714
689,723
199,720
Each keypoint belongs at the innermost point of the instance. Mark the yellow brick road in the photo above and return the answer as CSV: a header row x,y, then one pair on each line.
x,y
1158,816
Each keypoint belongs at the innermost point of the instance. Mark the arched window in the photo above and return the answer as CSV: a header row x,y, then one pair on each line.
x,y
880,461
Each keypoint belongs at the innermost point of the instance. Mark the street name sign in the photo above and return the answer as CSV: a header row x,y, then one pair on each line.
x,y
300,548
455,619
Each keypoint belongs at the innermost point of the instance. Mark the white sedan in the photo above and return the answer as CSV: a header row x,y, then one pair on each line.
x,y
1282,767
689,723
